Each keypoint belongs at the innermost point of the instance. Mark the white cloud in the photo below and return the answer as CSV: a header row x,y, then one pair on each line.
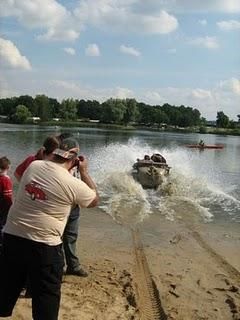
x,y
206,42
5,90
153,97
201,94
119,16
231,85
11,56
229,25
188,6
224,96
130,50
37,13
122,93
203,22
43,14
58,23
59,34
72,89
162,23
236,86
70,51
92,50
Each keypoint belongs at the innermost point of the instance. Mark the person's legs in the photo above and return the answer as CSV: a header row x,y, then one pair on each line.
x,y
1,234
13,272
70,236
46,272
3,218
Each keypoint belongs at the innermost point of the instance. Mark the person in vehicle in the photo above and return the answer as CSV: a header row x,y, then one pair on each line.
x,y
157,157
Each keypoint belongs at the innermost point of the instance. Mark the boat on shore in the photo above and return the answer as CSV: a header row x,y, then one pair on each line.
x,y
150,174
205,146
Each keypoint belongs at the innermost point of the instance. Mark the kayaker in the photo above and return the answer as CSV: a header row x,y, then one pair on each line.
x,y
201,143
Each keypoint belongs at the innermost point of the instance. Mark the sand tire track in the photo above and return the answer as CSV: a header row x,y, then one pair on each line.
x,y
147,294
233,272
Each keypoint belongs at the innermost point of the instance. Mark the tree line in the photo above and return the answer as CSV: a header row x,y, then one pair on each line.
x,y
117,111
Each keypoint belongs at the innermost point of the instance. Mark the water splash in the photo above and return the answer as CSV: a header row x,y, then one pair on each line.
x,y
193,191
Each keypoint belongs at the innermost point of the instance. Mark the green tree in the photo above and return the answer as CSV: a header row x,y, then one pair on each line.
x,y
173,113
90,109
188,117
196,115
8,106
203,121
54,107
146,114
28,102
232,124
131,112
22,114
68,109
238,117
94,109
44,109
222,120
160,116
113,111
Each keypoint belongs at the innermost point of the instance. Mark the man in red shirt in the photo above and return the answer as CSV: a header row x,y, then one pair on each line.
x,y
5,192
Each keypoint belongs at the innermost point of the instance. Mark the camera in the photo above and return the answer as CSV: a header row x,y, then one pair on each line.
x,y
77,160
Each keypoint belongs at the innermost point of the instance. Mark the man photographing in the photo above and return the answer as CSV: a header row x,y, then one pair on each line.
x,y
36,221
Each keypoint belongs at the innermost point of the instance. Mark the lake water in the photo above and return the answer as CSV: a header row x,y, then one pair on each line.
x,y
205,185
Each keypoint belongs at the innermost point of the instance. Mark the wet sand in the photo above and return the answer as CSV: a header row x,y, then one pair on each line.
x,y
196,270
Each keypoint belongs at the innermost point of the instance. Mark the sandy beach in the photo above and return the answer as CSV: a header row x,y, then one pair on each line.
x,y
195,271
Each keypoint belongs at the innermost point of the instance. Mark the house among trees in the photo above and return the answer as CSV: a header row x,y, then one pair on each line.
x,y
211,123
34,119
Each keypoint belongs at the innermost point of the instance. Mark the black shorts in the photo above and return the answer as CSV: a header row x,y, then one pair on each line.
x,y
43,266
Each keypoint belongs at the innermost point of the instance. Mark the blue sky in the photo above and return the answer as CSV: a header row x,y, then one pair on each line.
x,y
157,51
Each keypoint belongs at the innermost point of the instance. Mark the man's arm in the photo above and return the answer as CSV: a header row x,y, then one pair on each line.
x,y
17,176
22,167
85,177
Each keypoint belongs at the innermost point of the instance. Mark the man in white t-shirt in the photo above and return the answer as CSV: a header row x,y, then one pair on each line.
x,y
32,244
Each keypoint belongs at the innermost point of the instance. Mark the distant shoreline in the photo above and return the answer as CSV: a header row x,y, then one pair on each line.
x,y
201,130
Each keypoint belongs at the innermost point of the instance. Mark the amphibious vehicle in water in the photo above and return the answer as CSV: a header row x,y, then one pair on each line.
x,y
151,172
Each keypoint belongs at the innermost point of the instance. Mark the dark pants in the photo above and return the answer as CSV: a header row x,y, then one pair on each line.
x,y
42,265
70,236
3,219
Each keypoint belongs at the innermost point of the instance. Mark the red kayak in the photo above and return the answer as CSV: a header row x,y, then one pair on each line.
x,y
206,146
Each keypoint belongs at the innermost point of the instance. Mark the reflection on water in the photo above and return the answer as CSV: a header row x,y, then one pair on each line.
x,y
202,186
